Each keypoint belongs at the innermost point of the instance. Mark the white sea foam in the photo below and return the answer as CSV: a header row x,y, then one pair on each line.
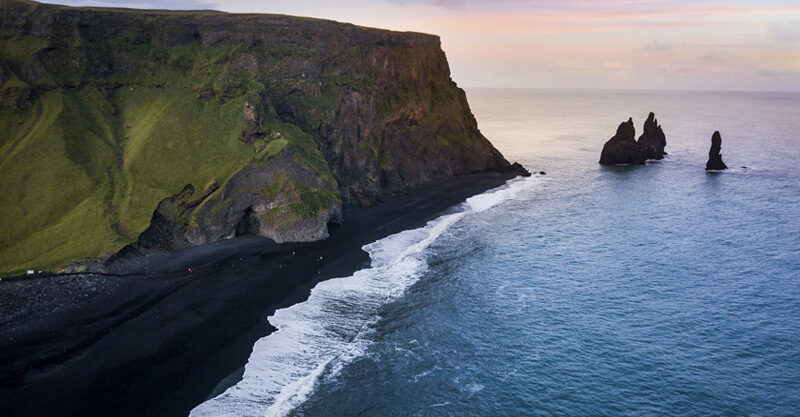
x,y
333,326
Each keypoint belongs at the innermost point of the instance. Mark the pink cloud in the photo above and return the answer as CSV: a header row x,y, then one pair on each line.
x,y
583,21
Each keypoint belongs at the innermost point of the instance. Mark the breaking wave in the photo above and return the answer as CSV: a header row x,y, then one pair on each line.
x,y
333,326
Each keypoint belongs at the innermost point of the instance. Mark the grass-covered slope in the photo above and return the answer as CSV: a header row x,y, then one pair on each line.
x,y
177,128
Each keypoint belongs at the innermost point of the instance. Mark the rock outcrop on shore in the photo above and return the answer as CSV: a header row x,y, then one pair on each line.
x,y
520,170
714,157
622,148
114,120
653,141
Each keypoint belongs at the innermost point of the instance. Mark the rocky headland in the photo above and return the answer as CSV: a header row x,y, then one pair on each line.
x,y
162,130
137,142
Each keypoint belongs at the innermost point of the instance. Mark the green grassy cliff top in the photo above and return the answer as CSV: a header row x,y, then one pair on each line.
x,y
105,113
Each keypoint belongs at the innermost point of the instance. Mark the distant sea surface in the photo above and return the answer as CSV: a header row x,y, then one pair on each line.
x,y
649,290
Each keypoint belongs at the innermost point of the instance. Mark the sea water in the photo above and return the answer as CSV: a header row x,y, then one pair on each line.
x,y
636,290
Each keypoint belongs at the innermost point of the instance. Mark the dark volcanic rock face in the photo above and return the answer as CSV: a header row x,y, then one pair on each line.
x,y
622,147
714,156
291,117
653,141
520,170
423,132
246,205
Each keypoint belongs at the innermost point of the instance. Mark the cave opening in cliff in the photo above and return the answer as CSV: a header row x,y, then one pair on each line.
x,y
248,224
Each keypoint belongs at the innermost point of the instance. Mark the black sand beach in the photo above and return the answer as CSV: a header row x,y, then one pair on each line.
x,y
157,344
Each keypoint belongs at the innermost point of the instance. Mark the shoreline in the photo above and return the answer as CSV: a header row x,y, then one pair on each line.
x,y
161,342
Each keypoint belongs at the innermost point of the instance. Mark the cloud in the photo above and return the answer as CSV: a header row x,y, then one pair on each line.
x,y
583,4
657,47
617,66
788,31
657,16
770,73
446,4
714,57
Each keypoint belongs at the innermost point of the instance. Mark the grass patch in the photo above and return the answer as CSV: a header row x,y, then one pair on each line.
x,y
83,174
20,48
84,170
54,171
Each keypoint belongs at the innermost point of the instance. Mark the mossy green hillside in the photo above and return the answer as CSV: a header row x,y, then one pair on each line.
x,y
83,171
82,179
122,118
106,113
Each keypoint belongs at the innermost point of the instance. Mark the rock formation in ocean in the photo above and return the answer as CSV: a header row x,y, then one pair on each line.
x,y
622,148
652,141
113,121
714,156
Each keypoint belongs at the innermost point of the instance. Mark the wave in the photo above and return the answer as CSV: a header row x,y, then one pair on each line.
x,y
321,335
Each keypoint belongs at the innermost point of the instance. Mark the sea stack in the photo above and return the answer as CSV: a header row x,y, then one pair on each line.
x,y
714,157
653,141
622,147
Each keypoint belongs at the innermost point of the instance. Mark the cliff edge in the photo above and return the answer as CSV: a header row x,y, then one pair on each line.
x,y
177,128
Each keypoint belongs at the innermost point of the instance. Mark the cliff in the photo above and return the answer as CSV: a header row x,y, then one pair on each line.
x,y
172,129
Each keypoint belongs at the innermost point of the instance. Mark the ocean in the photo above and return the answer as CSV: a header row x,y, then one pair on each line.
x,y
632,290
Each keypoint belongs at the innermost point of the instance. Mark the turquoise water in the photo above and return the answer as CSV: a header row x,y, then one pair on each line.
x,y
655,290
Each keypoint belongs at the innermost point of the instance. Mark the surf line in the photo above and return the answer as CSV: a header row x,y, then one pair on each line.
x,y
315,339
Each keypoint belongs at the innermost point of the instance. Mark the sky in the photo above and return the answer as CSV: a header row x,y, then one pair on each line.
x,y
614,44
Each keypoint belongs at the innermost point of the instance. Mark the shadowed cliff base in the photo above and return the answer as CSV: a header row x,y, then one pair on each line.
x,y
158,344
